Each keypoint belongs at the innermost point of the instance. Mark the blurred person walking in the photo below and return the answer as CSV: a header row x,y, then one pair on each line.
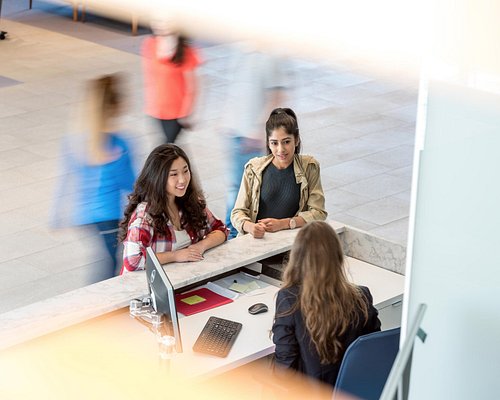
x,y
257,86
171,84
97,169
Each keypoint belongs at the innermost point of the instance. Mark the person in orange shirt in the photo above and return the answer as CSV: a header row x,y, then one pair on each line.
x,y
169,67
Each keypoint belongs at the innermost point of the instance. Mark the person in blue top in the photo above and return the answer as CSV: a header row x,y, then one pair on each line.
x,y
98,168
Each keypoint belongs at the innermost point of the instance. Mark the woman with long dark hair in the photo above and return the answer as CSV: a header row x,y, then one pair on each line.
x,y
319,313
167,211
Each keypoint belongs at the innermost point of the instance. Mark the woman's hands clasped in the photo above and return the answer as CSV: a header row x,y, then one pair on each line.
x,y
273,224
258,229
191,253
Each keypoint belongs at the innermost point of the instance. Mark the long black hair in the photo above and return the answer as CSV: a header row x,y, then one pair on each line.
x,y
151,187
180,51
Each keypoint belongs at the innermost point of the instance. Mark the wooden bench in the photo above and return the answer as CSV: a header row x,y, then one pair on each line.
x,y
76,4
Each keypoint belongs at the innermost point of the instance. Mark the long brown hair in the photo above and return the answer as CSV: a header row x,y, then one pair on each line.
x,y
103,102
329,303
151,187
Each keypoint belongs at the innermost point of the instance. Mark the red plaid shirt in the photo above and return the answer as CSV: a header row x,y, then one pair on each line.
x,y
141,234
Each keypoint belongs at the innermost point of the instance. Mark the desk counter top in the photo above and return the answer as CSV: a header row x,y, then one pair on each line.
x,y
46,316
76,349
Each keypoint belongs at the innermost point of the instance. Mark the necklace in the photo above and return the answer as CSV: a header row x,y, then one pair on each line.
x,y
175,218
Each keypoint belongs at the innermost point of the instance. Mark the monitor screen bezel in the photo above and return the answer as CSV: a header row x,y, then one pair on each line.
x,y
153,264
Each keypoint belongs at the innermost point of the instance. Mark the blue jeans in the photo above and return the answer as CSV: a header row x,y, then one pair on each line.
x,y
108,230
240,153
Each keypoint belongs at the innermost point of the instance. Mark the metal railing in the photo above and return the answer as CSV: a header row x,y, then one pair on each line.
x,y
398,382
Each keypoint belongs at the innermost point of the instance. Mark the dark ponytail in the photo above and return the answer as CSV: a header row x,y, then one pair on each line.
x,y
283,118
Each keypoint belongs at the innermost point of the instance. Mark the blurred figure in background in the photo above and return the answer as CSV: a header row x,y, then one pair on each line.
x,y
257,86
98,168
171,84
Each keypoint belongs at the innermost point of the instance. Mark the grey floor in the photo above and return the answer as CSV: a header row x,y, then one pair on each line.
x,y
360,128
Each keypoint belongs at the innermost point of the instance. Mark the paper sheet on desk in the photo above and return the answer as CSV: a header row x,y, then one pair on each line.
x,y
241,283
221,290
244,288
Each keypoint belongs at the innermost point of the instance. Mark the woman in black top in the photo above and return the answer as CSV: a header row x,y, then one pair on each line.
x,y
319,313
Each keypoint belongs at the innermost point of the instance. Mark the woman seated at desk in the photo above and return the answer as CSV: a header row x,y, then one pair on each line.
x,y
283,189
168,212
319,313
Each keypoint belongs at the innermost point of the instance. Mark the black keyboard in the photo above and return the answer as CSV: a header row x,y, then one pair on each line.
x,y
217,337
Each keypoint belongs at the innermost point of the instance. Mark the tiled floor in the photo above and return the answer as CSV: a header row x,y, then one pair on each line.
x,y
360,128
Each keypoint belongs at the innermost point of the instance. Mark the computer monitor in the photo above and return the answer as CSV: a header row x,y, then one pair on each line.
x,y
162,296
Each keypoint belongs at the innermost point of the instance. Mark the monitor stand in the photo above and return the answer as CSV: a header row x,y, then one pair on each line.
x,y
142,310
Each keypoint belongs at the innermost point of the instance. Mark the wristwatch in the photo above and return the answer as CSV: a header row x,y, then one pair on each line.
x,y
292,224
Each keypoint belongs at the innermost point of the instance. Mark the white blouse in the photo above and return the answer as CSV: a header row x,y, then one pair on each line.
x,y
182,240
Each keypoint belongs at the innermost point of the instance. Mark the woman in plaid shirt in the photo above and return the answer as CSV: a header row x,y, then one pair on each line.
x,y
167,211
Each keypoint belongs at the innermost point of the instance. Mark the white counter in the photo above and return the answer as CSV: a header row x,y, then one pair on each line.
x,y
34,320
118,339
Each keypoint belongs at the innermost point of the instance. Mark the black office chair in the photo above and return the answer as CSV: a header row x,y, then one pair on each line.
x,y
367,363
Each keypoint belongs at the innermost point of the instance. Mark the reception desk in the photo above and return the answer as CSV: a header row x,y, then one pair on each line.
x,y
99,313
100,298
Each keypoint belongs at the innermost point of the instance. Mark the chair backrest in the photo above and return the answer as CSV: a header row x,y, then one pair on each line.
x,y
366,364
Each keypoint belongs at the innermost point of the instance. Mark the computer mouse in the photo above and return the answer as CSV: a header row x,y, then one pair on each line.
x,y
258,308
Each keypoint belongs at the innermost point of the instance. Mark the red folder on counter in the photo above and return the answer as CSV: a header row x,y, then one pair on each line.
x,y
199,300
